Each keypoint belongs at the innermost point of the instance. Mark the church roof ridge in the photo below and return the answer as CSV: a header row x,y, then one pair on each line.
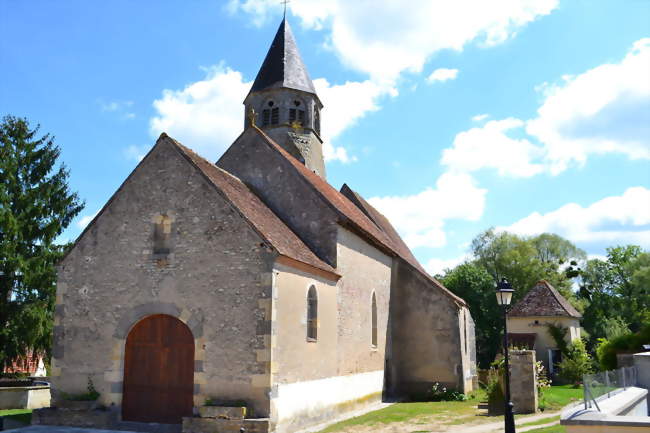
x,y
399,245
358,219
264,221
544,300
283,66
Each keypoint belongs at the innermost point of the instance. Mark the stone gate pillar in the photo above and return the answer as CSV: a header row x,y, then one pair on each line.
x,y
523,382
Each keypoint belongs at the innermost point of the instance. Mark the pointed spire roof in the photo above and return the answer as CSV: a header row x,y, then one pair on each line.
x,y
283,66
544,300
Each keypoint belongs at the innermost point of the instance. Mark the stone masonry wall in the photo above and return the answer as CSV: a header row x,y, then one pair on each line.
x,y
275,181
523,381
426,344
217,279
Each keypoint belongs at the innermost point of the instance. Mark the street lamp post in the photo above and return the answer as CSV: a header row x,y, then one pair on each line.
x,y
504,297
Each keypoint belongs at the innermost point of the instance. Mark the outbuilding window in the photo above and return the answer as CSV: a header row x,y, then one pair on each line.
x,y
312,314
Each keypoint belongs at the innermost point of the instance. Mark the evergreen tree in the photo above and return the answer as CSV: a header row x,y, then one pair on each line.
x,y
35,207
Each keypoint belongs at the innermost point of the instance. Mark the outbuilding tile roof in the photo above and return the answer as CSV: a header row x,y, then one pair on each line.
x,y
265,222
544,300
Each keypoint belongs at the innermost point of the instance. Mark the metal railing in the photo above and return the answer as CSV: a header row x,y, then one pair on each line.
x,y
605,384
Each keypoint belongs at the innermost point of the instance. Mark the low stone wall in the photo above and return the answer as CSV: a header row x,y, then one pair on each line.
x,y
25,397
214,425
101,419
523,382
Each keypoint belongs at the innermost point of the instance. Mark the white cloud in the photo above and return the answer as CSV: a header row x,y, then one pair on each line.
x,y
614,220
442,74
604,110
401,37
420,218
438,266
208,115
84,220
489,146
480,117
344,105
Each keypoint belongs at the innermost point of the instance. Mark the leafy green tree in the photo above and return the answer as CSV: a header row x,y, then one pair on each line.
x,y
617,289
476,286
526,260
35,207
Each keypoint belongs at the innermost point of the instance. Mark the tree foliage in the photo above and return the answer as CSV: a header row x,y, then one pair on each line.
x,y
523,261
617,291
35,207
476,286
526,260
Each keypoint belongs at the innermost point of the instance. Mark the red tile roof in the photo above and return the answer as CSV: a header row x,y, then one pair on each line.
x,y
544,300
353,216
265,222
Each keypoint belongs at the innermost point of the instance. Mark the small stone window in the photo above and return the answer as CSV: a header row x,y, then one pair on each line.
x,y
373,312
275,116
162,235
266,117
312,314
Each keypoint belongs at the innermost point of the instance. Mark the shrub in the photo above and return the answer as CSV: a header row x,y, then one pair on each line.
x,y
628,343
441,393
90,395
543,383
576,363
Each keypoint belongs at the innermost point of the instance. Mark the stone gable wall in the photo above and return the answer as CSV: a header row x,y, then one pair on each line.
x,y
216,279
284,191
426,342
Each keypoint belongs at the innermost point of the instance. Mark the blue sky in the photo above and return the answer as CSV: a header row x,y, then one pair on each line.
x,y
451,117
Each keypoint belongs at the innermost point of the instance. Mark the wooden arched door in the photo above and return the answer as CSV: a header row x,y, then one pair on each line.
x,y
158,371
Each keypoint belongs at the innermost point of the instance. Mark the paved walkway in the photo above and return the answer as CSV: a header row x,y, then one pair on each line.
x,y
57,429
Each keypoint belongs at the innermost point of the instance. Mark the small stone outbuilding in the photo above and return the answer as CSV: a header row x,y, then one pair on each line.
x,y
529,318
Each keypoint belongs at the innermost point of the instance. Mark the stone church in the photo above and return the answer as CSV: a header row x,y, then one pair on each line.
x,y
252,279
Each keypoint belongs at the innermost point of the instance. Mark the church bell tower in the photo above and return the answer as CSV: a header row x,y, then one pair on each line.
x,y
287,106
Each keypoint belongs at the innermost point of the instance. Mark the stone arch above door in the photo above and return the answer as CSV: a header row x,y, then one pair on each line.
x,y
130,317
158,371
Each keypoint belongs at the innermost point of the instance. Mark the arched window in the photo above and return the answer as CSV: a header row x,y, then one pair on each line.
x,y
312,314
270,114
374,320
297,113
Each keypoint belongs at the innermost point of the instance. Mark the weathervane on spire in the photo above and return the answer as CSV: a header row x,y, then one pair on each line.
x,y
284,2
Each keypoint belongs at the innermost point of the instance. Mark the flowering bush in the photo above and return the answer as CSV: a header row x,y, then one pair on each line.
x,y
441,393
543,383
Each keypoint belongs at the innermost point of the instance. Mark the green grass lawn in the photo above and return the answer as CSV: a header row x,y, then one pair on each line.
x,y
418,413
551,429
20,415
458,412
556,397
